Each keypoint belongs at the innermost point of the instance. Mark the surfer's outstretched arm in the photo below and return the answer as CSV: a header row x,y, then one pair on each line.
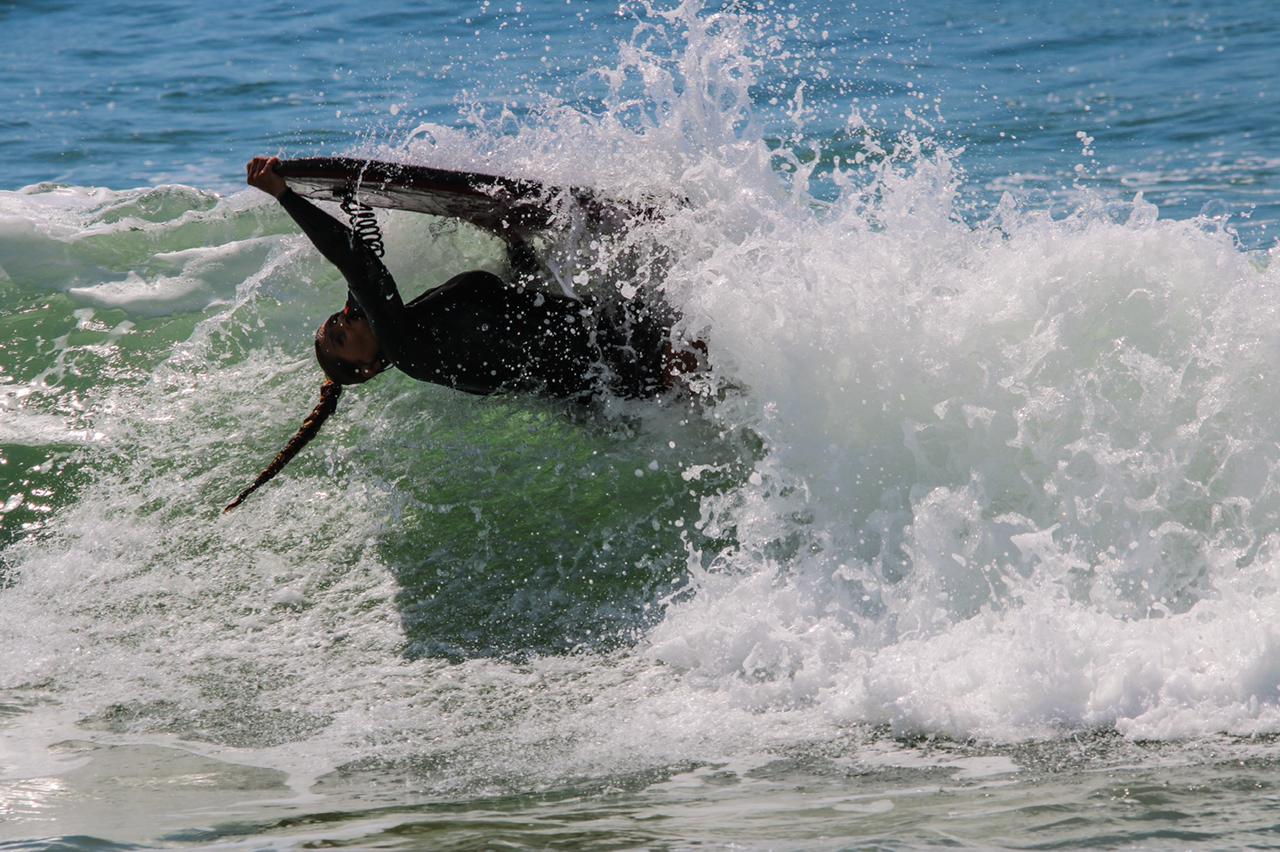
x,y
371,285
338,243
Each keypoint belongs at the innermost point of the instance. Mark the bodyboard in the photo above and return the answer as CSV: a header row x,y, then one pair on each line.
x,y
493,202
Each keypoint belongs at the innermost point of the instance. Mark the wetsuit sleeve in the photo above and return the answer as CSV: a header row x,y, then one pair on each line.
x,y
371,285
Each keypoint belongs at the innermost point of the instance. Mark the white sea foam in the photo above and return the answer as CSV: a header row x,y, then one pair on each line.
x,y
1003,460
1023,482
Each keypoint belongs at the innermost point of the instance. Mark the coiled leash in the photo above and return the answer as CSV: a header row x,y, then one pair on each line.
x,y
363,222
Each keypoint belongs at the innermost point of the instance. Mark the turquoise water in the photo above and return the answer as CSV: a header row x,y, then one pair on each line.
x,y
968,538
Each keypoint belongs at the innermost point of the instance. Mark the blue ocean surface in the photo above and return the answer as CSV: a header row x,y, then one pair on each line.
x,y
1179,99
966,534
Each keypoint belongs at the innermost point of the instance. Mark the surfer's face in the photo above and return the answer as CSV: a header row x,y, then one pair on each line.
x,y
347,339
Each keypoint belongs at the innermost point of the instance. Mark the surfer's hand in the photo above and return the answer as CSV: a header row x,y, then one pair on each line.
x,y
262,174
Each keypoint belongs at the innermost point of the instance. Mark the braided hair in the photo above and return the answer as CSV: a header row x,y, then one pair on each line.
x,y
330,391
337,372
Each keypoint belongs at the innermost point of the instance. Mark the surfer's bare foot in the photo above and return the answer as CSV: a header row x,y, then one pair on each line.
x,y
262,174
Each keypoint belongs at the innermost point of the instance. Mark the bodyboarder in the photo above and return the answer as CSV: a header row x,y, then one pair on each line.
x,y
474,332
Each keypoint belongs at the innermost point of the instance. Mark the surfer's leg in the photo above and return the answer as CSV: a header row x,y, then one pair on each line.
x,y
640,346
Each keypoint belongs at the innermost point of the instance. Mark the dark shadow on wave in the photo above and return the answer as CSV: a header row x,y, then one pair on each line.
x,y
530,528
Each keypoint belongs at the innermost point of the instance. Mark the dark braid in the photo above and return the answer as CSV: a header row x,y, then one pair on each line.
x,y
329,393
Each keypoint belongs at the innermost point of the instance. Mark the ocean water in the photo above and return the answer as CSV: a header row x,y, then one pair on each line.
x,y
967,537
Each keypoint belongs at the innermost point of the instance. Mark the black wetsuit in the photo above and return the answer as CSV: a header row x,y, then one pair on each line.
x,y
480,335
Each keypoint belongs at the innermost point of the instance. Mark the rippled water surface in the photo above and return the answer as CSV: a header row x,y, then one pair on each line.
x,y
967,538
